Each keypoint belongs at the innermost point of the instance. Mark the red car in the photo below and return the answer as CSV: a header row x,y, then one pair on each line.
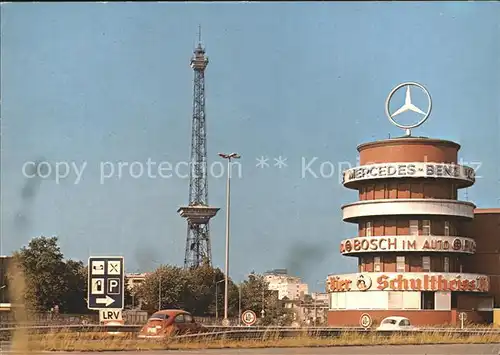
x,y
170,322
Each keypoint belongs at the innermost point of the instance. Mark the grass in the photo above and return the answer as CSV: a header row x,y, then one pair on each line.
x,y
66,341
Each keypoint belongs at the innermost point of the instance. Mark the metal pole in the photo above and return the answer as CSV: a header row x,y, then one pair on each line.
x,y
239,304
216,302
228,204
262,312
159,292
315,312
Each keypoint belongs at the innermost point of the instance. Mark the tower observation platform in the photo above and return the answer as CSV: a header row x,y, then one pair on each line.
x,y
198,214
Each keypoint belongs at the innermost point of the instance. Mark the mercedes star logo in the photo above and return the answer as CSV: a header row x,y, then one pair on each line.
x,y
408,106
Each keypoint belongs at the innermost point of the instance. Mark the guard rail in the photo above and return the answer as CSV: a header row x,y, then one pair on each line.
x,y
244,332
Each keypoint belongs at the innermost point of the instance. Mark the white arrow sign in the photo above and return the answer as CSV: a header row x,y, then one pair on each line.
x,y
106,301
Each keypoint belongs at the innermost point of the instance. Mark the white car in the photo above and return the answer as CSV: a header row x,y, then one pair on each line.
x,y
396,324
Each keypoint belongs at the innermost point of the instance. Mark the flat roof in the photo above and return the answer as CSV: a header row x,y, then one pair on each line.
x,y
486,210
410,140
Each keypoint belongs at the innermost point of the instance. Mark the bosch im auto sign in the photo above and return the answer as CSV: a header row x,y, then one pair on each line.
x,y
408,243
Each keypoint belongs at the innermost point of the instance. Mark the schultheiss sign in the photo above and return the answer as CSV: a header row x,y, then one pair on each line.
x,y
415,170
410,243
408,282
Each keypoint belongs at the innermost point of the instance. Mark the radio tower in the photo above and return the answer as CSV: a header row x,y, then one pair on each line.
x,y
198,213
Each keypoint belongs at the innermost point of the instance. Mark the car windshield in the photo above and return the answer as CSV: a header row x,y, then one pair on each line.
x,y
159,316
389,321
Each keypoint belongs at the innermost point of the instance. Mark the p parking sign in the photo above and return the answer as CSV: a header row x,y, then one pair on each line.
x,y
106,283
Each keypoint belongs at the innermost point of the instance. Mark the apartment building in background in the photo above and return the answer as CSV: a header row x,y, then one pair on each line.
x,y
133,280
287,286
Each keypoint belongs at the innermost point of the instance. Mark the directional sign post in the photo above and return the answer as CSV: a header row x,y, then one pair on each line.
x,y
106,289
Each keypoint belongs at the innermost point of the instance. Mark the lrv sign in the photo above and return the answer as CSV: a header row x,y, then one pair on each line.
x,y
106,315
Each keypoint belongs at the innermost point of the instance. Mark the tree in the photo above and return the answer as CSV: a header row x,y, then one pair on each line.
x,y
49,279
45,273
253,292
128,298
257,297
190,289
76,288
199,292
210,283
171,280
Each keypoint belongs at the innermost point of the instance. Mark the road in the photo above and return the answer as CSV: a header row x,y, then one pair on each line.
x,y
476,349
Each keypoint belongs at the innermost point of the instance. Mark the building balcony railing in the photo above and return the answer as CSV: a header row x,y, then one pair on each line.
x,y
410,207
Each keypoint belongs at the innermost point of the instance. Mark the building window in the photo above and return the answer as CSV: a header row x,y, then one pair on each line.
x,y
446,228
361,264
368,229
413,227
446,264
426,227
426,263
400,264
376,264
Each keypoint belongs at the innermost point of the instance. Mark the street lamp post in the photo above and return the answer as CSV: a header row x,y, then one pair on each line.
x,y
159,292
239,304
315,309
262,312
228,204
217,299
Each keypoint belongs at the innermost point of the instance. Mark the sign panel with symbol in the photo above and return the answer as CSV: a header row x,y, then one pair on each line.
x,y
113,267
97,287
98,267
114,286
248,317
365,321
106,283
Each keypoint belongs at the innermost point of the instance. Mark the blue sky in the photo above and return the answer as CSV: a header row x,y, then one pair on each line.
x,y
111,82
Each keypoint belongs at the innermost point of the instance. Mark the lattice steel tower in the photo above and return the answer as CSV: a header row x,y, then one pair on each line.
x,y
198,213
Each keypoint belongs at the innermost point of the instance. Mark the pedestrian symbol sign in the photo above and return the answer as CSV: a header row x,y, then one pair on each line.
x,y
106,280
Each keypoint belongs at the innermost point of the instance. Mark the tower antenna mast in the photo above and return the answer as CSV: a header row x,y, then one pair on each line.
x,y
198,213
